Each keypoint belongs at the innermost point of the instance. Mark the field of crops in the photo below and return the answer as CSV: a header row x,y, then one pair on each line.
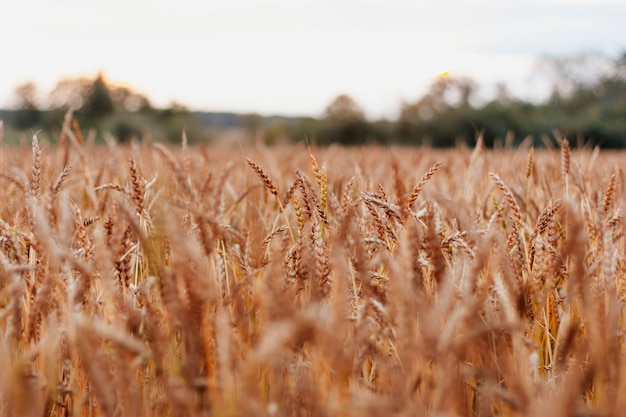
x,y
194,281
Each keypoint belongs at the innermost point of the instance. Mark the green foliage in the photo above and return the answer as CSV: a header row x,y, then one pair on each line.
x,y
98,103
584,108
27,114
168,124
344,122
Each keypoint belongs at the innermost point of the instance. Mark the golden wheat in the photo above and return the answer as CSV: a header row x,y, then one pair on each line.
x,y
134,288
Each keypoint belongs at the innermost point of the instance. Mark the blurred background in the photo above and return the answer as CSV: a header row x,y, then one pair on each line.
x,y
396,72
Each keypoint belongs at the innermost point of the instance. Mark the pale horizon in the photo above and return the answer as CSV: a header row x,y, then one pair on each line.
x,y
281,57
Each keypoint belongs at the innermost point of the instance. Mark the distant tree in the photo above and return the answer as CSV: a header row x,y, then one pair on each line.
x,y
442,116
344,122
126,99
26,96
96,97
570,74
70,92
98,103
451,91
503,95
344,109
28,113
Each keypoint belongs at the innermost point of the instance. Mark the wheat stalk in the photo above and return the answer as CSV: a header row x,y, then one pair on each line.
x,y
421,183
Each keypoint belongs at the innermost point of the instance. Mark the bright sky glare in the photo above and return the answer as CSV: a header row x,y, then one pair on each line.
x,y
294,56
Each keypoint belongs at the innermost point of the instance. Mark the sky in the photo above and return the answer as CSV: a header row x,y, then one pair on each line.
x,y
293,57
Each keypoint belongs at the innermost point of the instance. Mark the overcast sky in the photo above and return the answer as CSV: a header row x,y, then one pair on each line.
x,y
294,57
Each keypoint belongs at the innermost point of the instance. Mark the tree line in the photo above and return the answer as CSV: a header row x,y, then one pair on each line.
x,y
587,105
99,107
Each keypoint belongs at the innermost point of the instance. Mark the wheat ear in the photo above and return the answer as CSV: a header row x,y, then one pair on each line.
x,y
420,185
510,198
267,182
36,171
565,160
608,195
529,170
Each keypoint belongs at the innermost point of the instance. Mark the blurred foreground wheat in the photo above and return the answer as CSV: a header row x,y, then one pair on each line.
x,y
154,281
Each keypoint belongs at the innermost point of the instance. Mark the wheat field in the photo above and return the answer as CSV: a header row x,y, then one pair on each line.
x,y
148,280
